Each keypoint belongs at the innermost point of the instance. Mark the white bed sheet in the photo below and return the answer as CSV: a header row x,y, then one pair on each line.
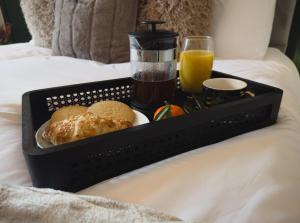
x,y
21,50
254,177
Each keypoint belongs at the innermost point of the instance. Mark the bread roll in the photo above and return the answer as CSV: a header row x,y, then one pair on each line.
x,y
113,110
79,127
66,112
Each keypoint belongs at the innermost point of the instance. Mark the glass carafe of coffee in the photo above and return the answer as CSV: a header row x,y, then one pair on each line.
x,y
153,63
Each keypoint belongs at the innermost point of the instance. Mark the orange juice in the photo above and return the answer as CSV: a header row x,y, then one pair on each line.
x,y
195,67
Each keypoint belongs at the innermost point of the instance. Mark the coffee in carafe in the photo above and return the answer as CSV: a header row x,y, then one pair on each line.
x,y
151,94
153,63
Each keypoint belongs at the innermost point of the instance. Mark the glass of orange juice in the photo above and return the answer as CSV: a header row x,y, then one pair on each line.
x,y
196,60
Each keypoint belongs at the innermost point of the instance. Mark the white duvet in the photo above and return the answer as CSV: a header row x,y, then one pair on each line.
x,y
254,177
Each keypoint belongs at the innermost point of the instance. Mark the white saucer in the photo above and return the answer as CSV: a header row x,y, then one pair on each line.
x,y
140,119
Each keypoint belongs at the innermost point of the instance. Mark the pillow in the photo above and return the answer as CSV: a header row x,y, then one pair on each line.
x,y
95,30
187,17
242,29
39,17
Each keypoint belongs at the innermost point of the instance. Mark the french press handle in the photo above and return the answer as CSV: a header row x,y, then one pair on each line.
x,y
151,24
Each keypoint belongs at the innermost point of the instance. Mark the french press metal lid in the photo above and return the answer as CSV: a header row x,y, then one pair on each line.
x,y
153,45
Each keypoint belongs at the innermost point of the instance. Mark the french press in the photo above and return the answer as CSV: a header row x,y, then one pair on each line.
x,y
153,63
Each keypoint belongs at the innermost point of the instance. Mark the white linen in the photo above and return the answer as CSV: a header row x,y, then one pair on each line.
x,y
250,178
21,50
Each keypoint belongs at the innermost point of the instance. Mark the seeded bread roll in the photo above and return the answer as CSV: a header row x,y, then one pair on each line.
x,y
78,127
66,112
113,110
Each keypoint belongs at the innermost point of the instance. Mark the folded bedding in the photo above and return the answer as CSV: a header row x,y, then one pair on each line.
x,y
253,177
48,205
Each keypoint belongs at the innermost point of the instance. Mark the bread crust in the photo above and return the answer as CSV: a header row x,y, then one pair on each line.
x,y
82,126
67,111
112,110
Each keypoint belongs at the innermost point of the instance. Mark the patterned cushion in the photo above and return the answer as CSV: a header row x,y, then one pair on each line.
x,y
39,16
95,30
188,17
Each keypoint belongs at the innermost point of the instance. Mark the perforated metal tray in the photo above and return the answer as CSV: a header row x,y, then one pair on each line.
x,y
77,165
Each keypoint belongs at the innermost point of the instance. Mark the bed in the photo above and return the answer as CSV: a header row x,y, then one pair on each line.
x,y
253,177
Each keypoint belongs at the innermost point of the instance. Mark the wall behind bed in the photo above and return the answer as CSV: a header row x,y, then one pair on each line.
x,y
13,14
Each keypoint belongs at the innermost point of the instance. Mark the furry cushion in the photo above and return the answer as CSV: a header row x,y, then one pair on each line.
x,y
188,17
32,205
39,16
94,30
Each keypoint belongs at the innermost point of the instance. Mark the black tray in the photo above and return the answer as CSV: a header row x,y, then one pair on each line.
x,y
74,166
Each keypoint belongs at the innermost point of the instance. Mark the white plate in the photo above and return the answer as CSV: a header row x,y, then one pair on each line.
x,y
140,119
